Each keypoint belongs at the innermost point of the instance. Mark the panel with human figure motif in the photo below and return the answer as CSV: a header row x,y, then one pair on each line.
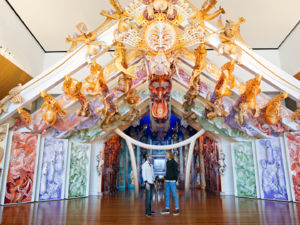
x,y
292,140
271,169
52,169
244,169
21,173
79,170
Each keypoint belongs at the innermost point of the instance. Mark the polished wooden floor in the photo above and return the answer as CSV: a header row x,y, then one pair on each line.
x,y
123,208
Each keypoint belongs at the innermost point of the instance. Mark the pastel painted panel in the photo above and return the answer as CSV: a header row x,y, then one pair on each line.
x,y
244,169
271,169
21,172
293,154
52,171
3,141
3,147
79,170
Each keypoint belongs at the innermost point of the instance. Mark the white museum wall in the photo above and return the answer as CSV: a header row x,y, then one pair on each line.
x,y
28,55
228,185
95,177
290,52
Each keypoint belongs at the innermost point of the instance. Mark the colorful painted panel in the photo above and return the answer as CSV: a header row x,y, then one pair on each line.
x,y
271,169
293,154
244,169
111,165
79,170
21,172
211,158
3,143
53,167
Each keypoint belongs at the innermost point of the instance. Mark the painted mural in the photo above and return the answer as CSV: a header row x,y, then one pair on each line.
x,y
79,170
21,172
271,169
293,154
52,177
211,158
244,169
3,141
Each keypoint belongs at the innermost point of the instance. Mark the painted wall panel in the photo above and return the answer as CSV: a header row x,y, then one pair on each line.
x,y
52,169
292,143
79,170
273,183
3,147
244,169
21,174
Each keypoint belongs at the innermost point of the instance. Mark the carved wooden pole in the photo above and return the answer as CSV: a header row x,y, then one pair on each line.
x,y
134,168
202,168
188,168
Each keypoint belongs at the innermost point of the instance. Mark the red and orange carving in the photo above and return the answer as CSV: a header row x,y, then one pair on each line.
x,y
19,184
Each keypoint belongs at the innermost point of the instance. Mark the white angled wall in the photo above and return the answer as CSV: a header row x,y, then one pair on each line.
x,y
290,52
28,55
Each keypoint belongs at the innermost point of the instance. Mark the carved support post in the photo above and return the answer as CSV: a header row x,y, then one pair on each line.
x,y
202,168
188,168
134,168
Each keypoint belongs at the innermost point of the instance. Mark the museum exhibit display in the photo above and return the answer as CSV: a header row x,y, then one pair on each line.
x,y
147,77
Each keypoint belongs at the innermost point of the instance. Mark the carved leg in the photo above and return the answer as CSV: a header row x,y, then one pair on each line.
x,y
243,110
257,110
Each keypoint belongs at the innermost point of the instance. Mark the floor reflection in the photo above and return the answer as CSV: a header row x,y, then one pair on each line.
x,y
123,208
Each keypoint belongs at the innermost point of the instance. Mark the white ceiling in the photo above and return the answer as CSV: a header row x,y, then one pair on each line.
x,y
50,21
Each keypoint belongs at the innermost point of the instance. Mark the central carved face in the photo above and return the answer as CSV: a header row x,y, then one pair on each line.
x,y
160,89
160,35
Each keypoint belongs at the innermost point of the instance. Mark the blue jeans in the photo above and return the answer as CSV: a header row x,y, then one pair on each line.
x,y
149,196
171,185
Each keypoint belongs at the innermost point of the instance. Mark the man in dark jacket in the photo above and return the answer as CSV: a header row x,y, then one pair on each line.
x,y
171,179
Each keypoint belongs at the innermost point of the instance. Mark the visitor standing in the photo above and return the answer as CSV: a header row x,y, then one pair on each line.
x,y
170,183
148,177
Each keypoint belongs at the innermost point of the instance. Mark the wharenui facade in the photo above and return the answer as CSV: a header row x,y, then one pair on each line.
x,y
151,98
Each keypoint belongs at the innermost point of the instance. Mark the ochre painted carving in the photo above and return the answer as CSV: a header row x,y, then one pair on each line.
x,y
51,109
273,109
21,172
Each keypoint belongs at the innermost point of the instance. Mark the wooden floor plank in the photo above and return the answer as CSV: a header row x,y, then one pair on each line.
x,y
122,208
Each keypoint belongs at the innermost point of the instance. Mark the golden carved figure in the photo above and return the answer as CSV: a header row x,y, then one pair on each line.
x,y
72,88
109,113
14,94
192,94
223,87
85,37
120,61
296,115
214,110
226,81
202,15
25,116
51,109
230,33
95,84
160,6
125,85
119,11
132,115
200,64
13,97
248,99
273,108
